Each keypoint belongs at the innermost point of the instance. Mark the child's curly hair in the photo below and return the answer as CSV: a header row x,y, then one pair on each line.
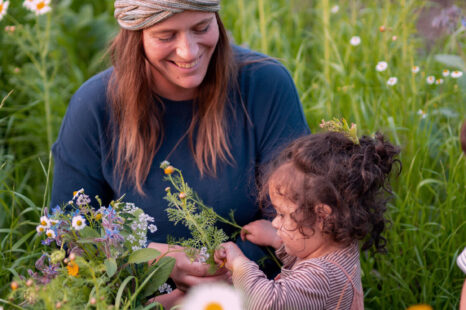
x,y
352,179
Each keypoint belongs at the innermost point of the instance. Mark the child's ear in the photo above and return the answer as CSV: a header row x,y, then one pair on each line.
x,y
323,211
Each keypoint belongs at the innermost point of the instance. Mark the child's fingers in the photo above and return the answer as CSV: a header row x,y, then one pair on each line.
x,y
243,233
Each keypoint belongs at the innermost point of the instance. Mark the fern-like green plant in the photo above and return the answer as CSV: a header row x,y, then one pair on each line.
x,y
185,207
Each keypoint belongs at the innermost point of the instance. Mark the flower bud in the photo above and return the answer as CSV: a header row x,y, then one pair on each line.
x,y
382,28
57,256
14,285
182,195
58,305
169,170
93,301
72,256
29,282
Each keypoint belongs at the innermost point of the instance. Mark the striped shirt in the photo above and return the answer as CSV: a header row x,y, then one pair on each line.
x,y
332,281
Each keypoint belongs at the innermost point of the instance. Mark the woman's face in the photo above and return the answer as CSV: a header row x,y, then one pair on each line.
x,y
180,49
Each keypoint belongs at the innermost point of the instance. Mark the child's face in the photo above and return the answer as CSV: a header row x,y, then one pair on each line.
x,y
313,244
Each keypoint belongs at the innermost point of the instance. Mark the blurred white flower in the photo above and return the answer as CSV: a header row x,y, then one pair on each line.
x,y
29,4
355,41
50,234
3,8
456,74
335,9
165,288
152,228
78,222
394,38
422,113
40,229
381,66
415,69
392,81
439,81
430,79
445,73
41,7
213,296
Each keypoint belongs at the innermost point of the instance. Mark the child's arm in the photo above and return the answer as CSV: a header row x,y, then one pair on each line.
x,y
306,288
261,232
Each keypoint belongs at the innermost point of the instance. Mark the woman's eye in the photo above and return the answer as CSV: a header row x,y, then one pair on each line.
x,y
166,38
204,29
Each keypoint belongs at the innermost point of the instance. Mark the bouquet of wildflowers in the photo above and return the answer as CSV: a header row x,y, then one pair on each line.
x,y
95,258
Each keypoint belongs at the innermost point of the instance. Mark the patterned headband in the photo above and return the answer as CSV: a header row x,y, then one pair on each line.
x,y
140,14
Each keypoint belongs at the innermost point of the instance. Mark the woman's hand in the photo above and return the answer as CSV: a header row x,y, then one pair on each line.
x,y
229,254
261,232
186,273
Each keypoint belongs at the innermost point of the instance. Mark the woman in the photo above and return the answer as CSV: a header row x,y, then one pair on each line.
x,y
177,91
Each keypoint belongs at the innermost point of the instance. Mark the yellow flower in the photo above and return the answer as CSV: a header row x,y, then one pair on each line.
x,y
98,216
420,307
73,269
169,170
14,285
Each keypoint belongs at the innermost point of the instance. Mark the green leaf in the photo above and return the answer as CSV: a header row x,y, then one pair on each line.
x,y
165,265
88,233
451,60
120,291
110,266
143,255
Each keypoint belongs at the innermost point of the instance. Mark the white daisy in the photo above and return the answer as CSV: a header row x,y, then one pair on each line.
x,y
40,229
439,81
213,296
392,81
41,7
355,41
381,66
456,74
44,221
335,9
77,193
29,4
50,234
78,222
53,222
415,69
445,73
422,113
430,79
3,8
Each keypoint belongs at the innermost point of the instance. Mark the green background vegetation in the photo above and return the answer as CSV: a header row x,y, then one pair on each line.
x,y
47,58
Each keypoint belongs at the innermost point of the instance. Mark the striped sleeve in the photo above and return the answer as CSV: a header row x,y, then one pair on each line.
x,y
461,260
306,288
284,257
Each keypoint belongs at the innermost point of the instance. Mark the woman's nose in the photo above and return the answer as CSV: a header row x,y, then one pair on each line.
x,y
187,48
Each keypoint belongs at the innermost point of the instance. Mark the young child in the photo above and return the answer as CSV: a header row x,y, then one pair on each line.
x,y
329,192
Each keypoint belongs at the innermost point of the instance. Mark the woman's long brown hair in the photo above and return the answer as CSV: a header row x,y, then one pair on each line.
x,y
138,121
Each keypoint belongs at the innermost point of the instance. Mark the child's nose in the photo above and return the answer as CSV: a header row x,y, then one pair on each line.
x,y
276,223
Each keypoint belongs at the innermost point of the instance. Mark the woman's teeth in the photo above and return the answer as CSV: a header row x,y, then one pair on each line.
x,y
187,65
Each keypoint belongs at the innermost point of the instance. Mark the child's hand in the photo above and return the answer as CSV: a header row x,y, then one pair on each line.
x,y
228,254
261,232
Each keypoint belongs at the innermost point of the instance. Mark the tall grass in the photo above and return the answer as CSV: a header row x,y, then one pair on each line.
x,y
334,79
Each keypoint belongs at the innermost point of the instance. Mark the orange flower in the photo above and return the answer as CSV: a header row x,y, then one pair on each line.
x,y
420,307
169,170
73,269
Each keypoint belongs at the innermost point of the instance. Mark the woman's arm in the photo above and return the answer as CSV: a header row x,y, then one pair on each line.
x,y
186,273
